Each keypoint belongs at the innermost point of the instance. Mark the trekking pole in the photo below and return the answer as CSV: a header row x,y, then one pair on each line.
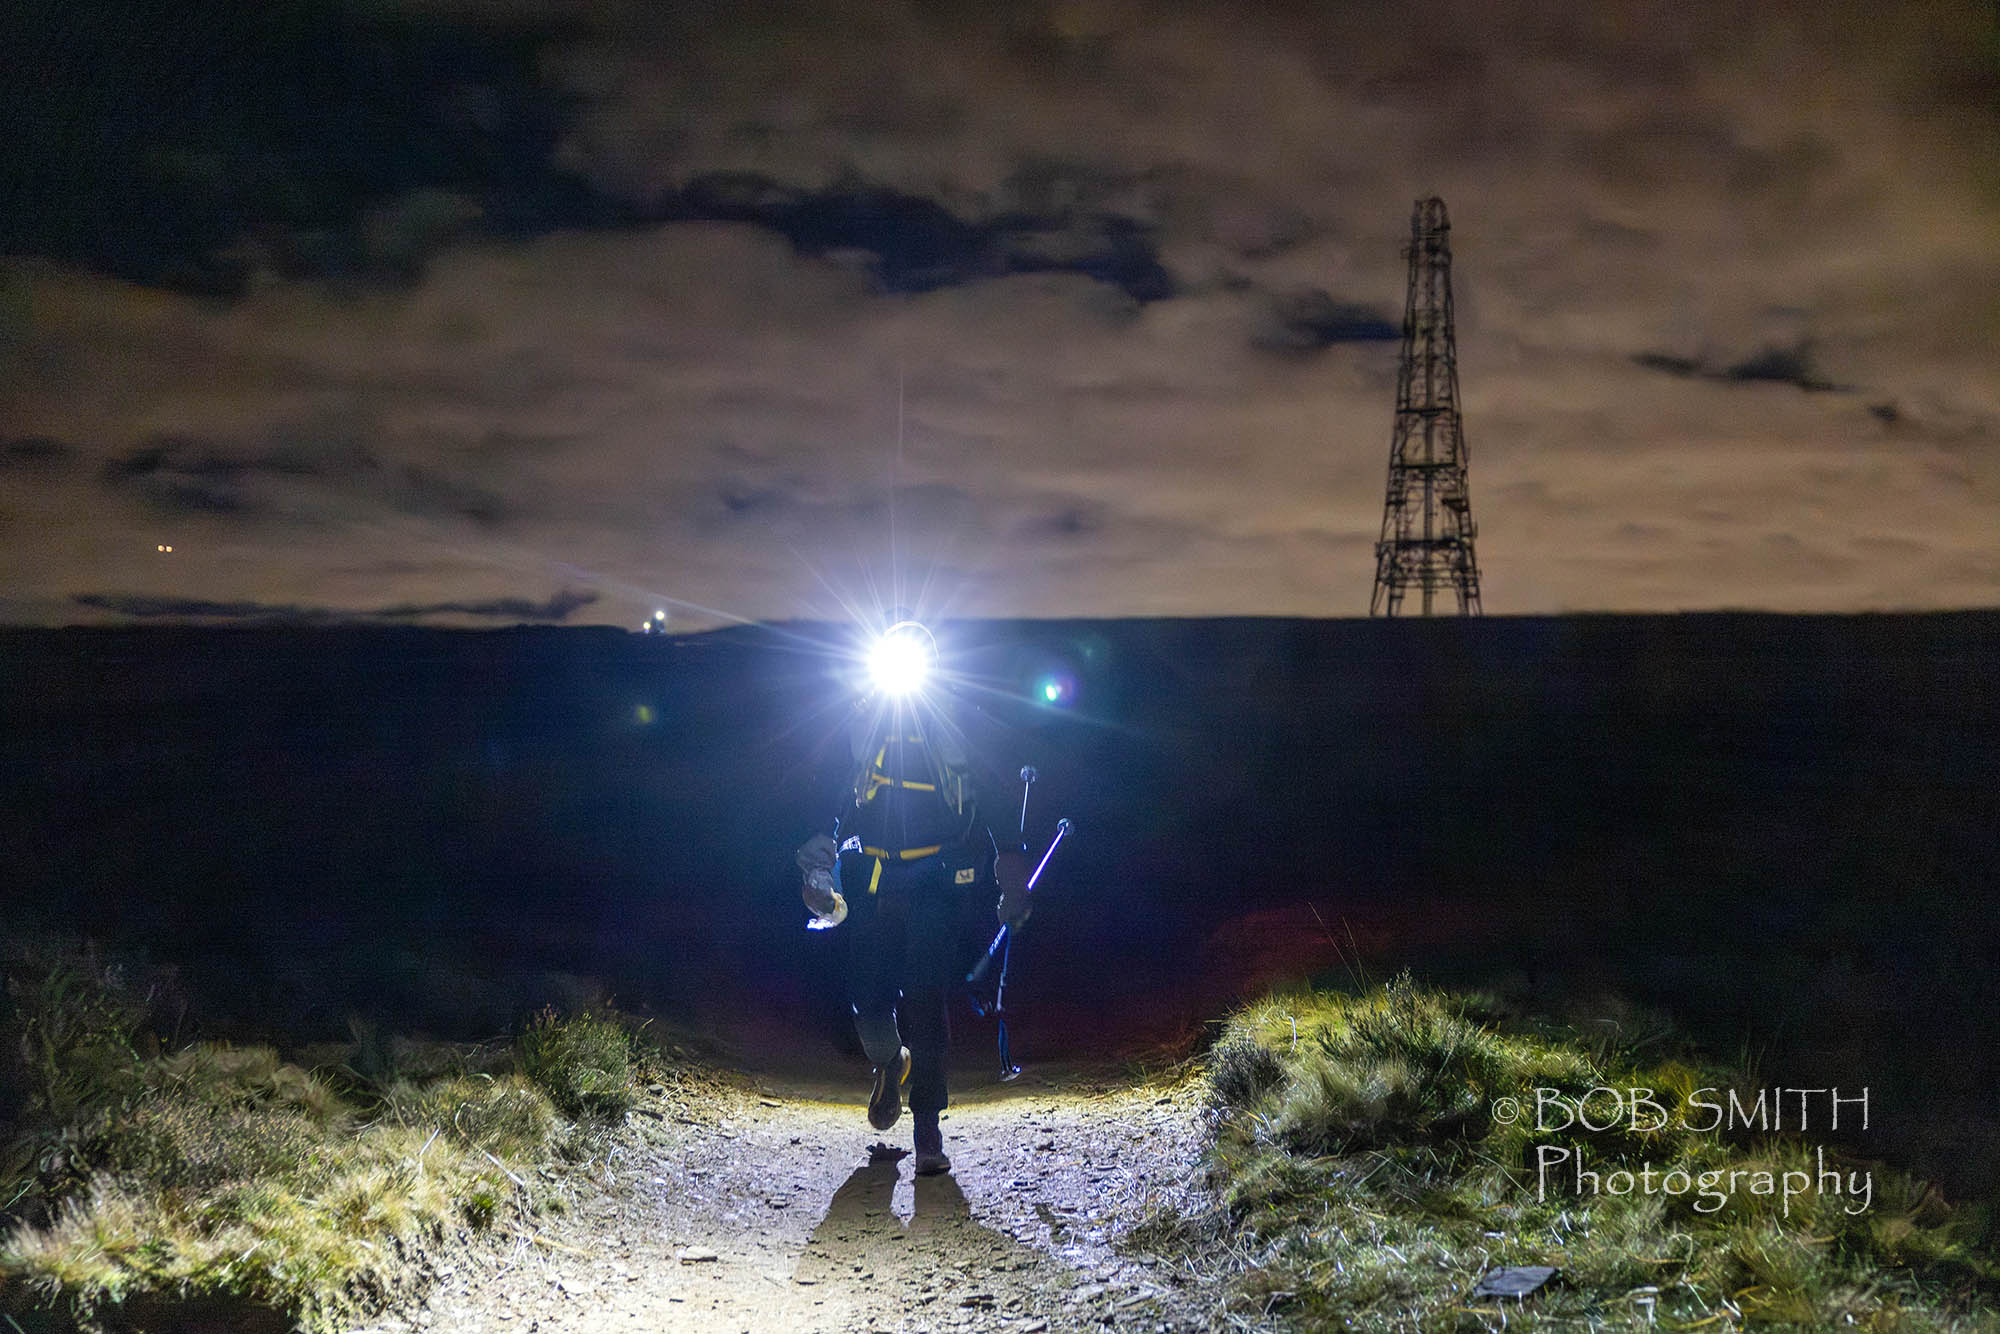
x,y
1063,828
1003,946
1000,938
1028,777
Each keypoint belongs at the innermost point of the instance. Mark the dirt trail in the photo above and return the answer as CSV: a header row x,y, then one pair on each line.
x,y
809,1234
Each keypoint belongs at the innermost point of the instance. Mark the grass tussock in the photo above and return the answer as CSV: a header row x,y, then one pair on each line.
x,y
1369,1168
583,1062
225,1179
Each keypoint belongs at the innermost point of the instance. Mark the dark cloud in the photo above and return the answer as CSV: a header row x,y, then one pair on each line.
x,y
559,607
149,607
183,475
1684,367
417,490
1964,431
1066,523
1780,365
1310,319
37,452
856,509
751,501
177,475
154,457
914,244
1791,365
310,141
198,145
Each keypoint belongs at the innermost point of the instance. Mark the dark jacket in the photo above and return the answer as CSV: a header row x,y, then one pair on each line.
x,y
913,792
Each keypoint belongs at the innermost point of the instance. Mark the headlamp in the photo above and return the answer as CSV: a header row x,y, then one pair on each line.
x,y
902,658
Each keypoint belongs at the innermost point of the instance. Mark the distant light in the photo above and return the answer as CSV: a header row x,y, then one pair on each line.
x,y
1051,691
644,715
162,547
659,616
902,658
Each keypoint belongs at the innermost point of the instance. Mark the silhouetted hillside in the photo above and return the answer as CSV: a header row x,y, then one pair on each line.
x,y
1782,828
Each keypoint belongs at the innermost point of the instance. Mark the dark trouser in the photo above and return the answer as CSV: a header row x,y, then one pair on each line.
x,y
902,957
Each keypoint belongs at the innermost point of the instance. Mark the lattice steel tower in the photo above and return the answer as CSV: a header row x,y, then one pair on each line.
x,y
1427,527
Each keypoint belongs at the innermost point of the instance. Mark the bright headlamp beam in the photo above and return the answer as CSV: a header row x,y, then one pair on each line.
x,y
902,658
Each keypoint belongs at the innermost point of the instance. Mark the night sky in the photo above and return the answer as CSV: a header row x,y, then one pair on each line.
x,y
474,313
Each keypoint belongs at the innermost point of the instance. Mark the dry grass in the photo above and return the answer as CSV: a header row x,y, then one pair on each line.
x,y
225,1178
1362,1180
583,1062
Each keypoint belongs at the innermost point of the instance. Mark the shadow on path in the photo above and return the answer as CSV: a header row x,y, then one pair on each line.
x,y
942,1255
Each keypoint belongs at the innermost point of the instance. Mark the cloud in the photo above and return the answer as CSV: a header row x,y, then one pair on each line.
x,y
243,143
655,301
177,475
559,607
1064,523
1310,319
915,244
229,182
415,489
39,453
181,475
1779,365
1684,367
1791,365
147,607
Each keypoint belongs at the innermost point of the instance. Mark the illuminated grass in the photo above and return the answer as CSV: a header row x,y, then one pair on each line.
x,y
1364,1181
224,1180
582,1061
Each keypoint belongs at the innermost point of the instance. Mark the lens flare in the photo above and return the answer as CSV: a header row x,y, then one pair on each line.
x,y
1056,689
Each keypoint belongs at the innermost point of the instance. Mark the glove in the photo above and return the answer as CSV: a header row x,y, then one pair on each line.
x,y
816,861
819,852
1011,870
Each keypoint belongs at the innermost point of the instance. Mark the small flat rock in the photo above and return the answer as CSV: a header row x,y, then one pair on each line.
x,y
1516,1282
690,1255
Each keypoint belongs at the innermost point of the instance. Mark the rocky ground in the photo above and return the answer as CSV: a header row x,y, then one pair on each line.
x,y
741,1206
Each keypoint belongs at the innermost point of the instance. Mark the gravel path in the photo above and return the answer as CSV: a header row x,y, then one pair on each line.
x,y
736,1209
